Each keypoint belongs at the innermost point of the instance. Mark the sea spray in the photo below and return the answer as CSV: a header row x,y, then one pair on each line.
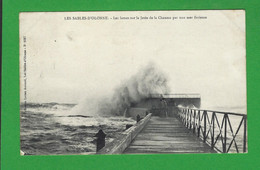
x,y
148,80
88,106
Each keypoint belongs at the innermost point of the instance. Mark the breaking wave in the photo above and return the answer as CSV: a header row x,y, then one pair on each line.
x,y
148,80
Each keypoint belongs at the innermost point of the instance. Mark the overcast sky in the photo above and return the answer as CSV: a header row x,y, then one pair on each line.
x,y
71,60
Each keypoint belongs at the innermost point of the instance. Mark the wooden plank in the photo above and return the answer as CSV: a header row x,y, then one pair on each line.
x,y
160,138
167,143
167,135
195,149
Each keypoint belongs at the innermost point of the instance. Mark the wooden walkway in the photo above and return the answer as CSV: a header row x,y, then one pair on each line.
x,y
166,135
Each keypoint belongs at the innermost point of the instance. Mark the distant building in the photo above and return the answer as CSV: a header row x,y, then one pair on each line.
x,y
164,104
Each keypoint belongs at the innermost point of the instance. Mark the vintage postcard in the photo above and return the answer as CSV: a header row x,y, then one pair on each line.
x,y
133,82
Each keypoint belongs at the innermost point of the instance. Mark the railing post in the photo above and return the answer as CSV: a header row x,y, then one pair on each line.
x,y
194,121
199,124
205,126
244,143
187,113
180,113
225,134
190,118
213,130
184,116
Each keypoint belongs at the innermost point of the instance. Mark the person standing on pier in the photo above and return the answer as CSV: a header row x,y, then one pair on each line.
x,y
164,106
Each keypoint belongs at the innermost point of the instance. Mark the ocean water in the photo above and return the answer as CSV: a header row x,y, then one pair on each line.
x,y
52,129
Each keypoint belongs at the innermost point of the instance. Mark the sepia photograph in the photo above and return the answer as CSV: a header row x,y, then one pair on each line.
x,y
133,82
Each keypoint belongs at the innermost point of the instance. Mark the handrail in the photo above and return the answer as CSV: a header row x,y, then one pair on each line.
x,y
221,112
209,126
177,95
118,145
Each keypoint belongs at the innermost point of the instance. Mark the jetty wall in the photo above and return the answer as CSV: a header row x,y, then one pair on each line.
x,y
118,145
156,102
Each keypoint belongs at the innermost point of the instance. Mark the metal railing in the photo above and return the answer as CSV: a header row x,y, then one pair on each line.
x,y
217,129
176,95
